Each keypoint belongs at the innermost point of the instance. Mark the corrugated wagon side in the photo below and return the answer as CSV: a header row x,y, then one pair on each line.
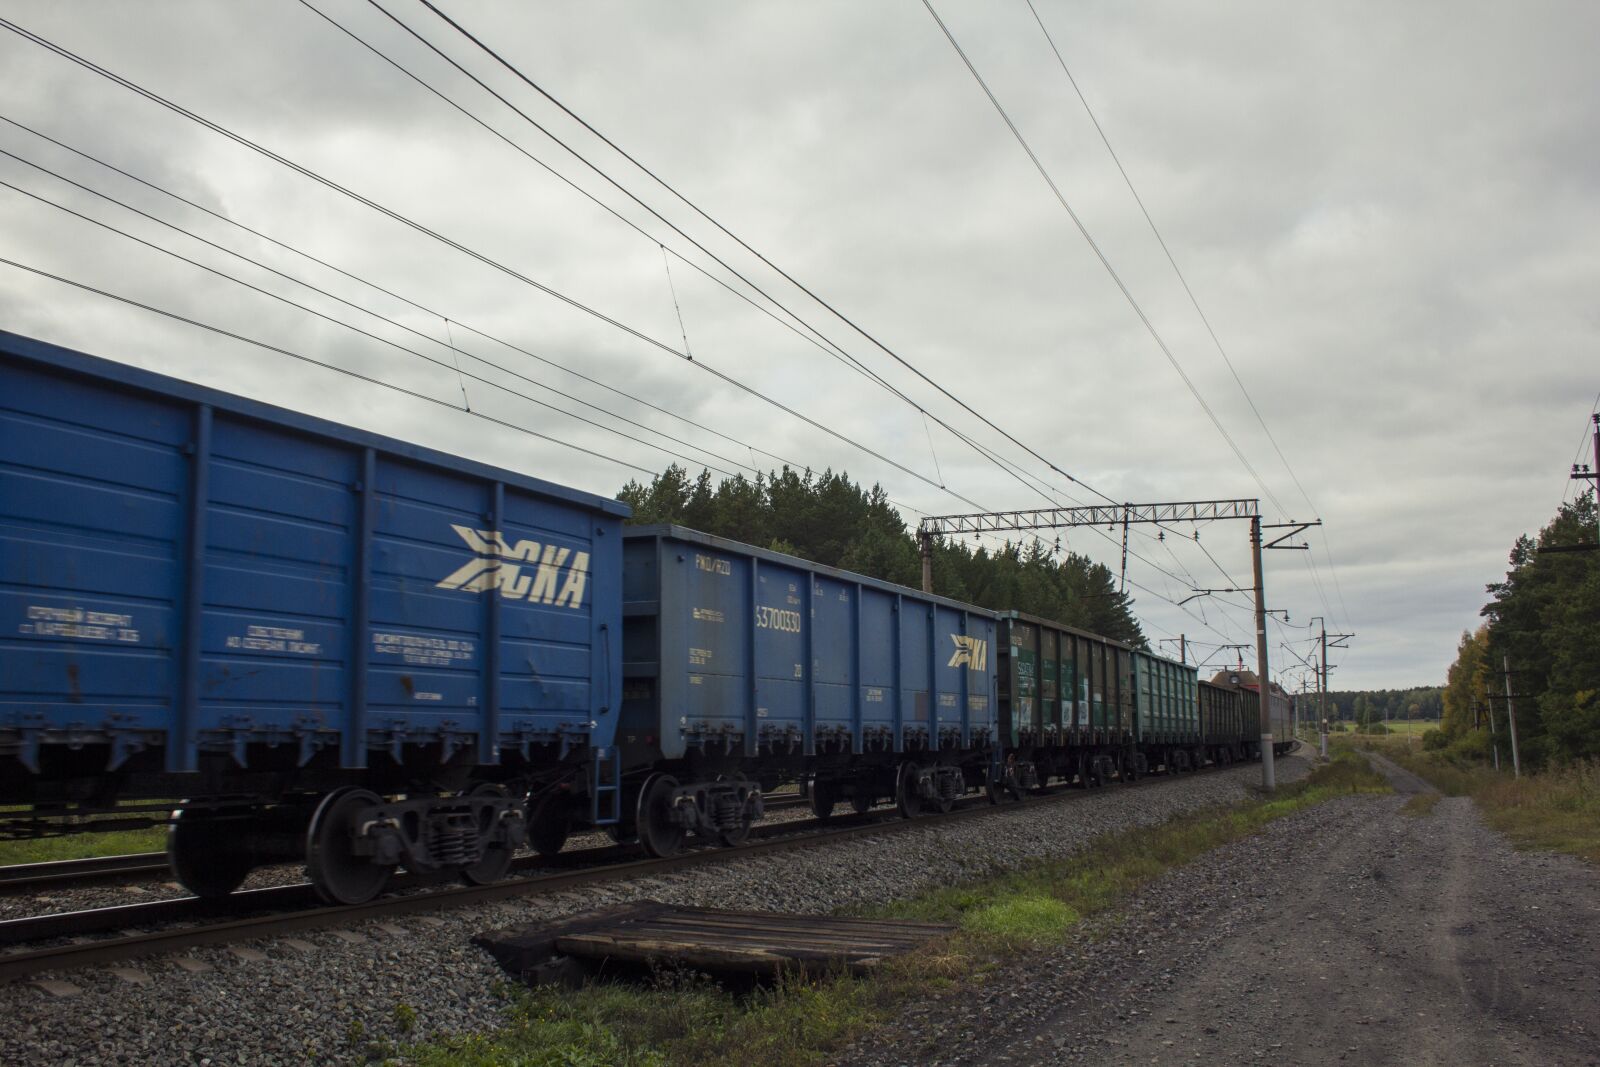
x,y
1169,733
745,668
333,644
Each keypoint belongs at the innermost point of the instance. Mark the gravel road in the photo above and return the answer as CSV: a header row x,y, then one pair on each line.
x,y
326,996
1350,933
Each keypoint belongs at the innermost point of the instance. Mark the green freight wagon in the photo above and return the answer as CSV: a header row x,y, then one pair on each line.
x,y
1168,719
1084,709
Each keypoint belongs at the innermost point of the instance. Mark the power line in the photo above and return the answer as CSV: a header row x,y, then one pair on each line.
x,y
373,285
1101,256
317,362
356,329
480,257
1171,260
338,299
851,323
1577,456
1193,300
813,337
831,347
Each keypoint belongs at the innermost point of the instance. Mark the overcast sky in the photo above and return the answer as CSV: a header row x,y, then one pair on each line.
x,y
1387,211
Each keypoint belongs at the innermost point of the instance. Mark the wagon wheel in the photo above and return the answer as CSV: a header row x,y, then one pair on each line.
x,y
550,823
1081,771
496,859
905,791
824,795
657,832
863,800
203,855
338,873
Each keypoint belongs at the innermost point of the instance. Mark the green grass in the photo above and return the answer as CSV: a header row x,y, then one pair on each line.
x,y
82,846
800,1022
1407,727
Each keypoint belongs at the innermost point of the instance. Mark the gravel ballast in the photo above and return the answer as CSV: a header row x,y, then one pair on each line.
x,y
328,995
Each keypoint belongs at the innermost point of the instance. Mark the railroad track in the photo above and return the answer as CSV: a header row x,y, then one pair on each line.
x,y
135,867
96,870
288,909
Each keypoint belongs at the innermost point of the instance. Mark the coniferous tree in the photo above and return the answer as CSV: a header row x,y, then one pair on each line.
x,y
831,520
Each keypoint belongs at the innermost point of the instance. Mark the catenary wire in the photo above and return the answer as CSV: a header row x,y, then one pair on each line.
x,y
367,282
851,323
318,363
819,339
471,253
349,326
1184,281
356,307
1104,260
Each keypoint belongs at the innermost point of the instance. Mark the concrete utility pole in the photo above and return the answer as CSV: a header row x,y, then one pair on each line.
x,y
926,539
1269,778
1322,697
1322,693
1511,713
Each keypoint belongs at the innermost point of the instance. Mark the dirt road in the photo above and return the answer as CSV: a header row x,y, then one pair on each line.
x,y
1351,933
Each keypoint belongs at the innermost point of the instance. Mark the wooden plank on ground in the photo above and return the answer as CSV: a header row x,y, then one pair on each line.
x,y
711,939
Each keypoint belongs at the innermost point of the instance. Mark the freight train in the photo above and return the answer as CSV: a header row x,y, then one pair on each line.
x,y
310,643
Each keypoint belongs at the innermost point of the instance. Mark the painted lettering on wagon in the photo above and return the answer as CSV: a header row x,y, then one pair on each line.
x,y
418,650
973,652
45,620
274,639
501,566
777,619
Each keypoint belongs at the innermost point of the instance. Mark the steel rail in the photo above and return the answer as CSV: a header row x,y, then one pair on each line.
x,y
782,837
132,867
21,877
136,867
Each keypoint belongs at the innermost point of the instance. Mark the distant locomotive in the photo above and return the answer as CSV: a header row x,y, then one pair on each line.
x,y
344,649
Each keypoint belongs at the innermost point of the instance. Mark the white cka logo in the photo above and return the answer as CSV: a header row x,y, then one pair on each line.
x,y
972,651
494,569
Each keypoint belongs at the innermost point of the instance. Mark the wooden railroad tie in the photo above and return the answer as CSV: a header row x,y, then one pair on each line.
x,y
751,943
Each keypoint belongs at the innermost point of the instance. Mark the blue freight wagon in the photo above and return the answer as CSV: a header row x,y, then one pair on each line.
x,y
333,644
745,667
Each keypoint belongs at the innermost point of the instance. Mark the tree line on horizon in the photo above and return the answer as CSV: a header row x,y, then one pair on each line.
x,y
828,519
1544,620
1367,706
